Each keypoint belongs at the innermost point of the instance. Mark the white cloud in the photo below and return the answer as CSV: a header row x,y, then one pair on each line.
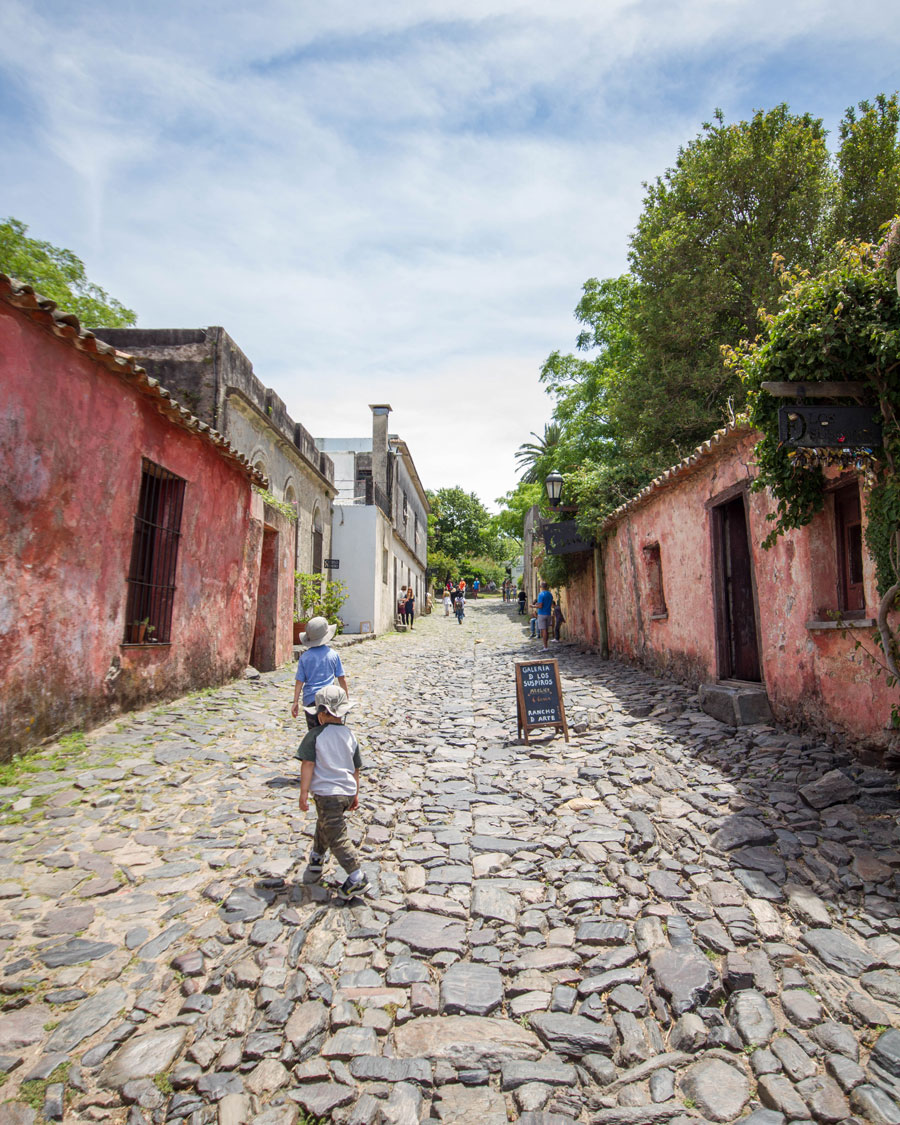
x,y
388,200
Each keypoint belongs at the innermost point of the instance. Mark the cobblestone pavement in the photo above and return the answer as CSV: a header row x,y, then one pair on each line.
x,y
664,920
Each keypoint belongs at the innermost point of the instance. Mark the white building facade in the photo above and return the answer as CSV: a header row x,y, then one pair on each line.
x,y
380,526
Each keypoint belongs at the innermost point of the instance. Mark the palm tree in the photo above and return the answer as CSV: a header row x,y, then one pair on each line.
x,y
533,456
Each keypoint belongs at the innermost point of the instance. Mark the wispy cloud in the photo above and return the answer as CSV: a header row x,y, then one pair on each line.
x,y
398,201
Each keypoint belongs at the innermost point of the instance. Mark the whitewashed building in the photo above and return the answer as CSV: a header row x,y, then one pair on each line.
x,y
380,525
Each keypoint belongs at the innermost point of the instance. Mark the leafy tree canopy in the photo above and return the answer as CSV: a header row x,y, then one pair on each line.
x,y
60,275
464,539
743,202
515,505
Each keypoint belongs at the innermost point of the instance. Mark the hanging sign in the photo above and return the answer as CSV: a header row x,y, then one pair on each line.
x,y
539,701
564,538
829,427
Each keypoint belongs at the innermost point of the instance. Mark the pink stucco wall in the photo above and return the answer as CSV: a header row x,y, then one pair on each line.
x,y
72,435
579,604
813,675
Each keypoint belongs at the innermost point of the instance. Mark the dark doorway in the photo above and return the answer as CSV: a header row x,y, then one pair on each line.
x,y
262,656
735,601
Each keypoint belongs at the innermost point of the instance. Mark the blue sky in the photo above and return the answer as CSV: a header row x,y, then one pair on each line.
x,y
391,203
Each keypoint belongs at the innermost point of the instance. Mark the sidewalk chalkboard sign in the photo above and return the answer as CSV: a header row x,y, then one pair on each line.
x,y
539,701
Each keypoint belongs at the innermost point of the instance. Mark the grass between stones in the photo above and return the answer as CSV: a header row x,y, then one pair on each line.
x,y
34,1091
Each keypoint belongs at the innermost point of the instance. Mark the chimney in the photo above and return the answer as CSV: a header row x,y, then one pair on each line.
x,y
380,414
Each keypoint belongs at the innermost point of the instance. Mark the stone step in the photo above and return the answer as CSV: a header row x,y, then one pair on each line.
x,y
736,704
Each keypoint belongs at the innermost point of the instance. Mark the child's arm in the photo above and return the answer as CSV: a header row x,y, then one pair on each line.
x,y
355,802
295,706
342,680
306,773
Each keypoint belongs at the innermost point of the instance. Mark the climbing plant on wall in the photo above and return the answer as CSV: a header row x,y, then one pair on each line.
x,y
840,325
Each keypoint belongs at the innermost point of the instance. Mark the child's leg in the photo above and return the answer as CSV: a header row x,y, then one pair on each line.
x,y
333,829
320,839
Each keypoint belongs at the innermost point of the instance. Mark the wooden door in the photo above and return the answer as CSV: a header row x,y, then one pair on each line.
x,y
738,641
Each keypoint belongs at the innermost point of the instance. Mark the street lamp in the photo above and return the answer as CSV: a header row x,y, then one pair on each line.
x,y
554,484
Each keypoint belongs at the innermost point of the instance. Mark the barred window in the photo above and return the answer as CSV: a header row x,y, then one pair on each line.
x,y
154,555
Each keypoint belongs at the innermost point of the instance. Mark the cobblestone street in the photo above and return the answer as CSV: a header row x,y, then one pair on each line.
x,y
664,920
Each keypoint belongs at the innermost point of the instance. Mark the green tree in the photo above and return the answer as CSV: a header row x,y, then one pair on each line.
x,y
868,169
514,506
531,455
743,202
60,275
702,254
459,524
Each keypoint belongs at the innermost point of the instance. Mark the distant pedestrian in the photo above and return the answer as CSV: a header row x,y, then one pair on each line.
x,y
533,621
448,602
460,606
544,606
401,606
558,619
410,607
522,599
476,586
330,772
318,667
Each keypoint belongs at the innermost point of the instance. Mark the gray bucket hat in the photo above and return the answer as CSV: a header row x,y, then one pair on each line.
x,y
334,699
318,632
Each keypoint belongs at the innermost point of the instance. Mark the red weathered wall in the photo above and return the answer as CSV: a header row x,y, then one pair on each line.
x,y
71,440
810,674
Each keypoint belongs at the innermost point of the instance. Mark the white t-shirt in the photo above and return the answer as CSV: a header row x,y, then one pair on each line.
x,y
335,751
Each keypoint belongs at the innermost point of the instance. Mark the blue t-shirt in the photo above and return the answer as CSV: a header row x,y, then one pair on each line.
x,y
317,668
544,602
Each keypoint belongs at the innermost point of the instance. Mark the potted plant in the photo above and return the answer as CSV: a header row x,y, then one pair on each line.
x,y
139,630
316,597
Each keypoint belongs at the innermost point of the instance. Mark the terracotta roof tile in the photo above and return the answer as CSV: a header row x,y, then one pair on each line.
x,y
720,441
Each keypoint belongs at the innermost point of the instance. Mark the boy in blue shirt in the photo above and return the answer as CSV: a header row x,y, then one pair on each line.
x,y
544,606
318,667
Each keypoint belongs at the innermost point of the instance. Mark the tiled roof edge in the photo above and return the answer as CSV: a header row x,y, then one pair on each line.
x,y
720,440
66,326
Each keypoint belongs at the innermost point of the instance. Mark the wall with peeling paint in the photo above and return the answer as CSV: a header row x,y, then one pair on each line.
x,y
812,672
579,603
72,435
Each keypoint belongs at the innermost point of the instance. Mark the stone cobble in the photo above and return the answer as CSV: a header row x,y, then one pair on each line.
x,y
663,920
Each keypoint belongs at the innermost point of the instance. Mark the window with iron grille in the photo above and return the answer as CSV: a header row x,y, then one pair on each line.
x,y
154,556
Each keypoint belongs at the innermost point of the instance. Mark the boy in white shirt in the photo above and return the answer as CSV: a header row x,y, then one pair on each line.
x,y
330,772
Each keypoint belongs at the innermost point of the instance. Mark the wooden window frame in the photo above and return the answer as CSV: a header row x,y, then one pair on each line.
x,y
653,572
154,556
848,544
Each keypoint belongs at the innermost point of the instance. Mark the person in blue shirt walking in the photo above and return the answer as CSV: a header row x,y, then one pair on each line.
x,y
317,667
544,608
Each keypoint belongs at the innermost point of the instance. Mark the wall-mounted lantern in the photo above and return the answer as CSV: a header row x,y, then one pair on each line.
x,y
554,485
